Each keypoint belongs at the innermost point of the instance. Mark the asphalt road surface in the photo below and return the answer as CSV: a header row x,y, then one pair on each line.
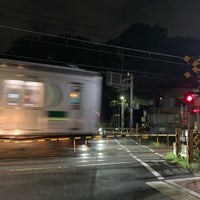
x,y
118,169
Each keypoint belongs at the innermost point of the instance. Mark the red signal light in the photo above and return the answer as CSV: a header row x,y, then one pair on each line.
x,y
189,98
195,110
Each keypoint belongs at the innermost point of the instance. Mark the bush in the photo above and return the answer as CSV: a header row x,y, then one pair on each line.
x,y
194,167
170,156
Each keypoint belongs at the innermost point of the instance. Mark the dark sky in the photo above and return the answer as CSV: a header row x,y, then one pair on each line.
x,y
98,20
101,20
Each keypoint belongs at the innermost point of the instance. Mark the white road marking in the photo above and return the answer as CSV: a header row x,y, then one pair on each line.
x,y
151,150
148,148
37,168
144,146
159,154
25,169
103,164
154,172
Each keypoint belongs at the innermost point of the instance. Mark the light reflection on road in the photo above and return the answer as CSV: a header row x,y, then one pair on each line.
x,y
33,149
83,148
100,145
54,148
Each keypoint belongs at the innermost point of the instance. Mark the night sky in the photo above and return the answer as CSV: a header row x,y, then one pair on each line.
x,y
101,20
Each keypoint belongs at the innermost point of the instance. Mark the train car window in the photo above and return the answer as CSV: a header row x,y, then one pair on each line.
x,y
12,92
33,94
75,96
26,93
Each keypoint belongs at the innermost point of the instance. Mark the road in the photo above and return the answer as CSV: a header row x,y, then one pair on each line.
x,y
104,169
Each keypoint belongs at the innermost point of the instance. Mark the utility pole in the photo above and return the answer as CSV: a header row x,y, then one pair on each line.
x,y
131,102
123,81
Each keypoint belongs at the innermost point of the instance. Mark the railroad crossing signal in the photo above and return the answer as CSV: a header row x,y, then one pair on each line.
x,y
189,98
195,110
187,75
195,63
186,58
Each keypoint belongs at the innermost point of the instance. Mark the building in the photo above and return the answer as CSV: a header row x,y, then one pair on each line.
x,y
171,112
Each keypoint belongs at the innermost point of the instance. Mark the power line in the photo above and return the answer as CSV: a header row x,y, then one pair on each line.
x,y
68,29
148,53
97,45
57,19
54,35
29,31
66,21
87,66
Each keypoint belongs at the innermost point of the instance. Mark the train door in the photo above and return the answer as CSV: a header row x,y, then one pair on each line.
x,y
76,110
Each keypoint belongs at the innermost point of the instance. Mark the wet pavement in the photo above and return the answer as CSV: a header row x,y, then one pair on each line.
x,y
127,156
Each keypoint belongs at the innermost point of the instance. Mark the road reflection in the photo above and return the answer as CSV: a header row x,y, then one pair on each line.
x,y
32,149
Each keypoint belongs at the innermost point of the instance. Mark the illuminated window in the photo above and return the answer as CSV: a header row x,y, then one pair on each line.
x,y
12,92
75,96
33,94
26,93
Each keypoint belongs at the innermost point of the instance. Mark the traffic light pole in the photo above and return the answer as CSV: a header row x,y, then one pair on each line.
x,y
198,114
195,62
198,121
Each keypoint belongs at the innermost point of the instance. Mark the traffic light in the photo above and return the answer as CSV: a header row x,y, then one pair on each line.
x,y
195,110
189,98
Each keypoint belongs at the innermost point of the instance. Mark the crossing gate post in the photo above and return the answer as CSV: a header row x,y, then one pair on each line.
x,y
178,142
190,146
157,141
167,139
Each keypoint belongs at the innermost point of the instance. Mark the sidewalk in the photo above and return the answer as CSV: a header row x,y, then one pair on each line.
x,y
184,188
180,189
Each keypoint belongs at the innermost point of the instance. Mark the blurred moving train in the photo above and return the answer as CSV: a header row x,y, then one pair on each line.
x,y
48,100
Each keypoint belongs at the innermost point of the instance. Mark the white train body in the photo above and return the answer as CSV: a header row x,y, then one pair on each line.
x,y
40,99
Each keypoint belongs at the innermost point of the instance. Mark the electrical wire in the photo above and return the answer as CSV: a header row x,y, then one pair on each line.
x,y
53,25
67,21
149,54
57,19
100,68
120,51
104,45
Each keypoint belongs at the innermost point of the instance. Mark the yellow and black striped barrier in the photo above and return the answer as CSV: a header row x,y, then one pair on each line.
x,y
89,137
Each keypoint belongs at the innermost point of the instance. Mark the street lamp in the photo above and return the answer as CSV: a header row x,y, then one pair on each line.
x,y
123,100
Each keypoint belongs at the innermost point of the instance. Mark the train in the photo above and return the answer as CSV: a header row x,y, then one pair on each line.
x,y
38,99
